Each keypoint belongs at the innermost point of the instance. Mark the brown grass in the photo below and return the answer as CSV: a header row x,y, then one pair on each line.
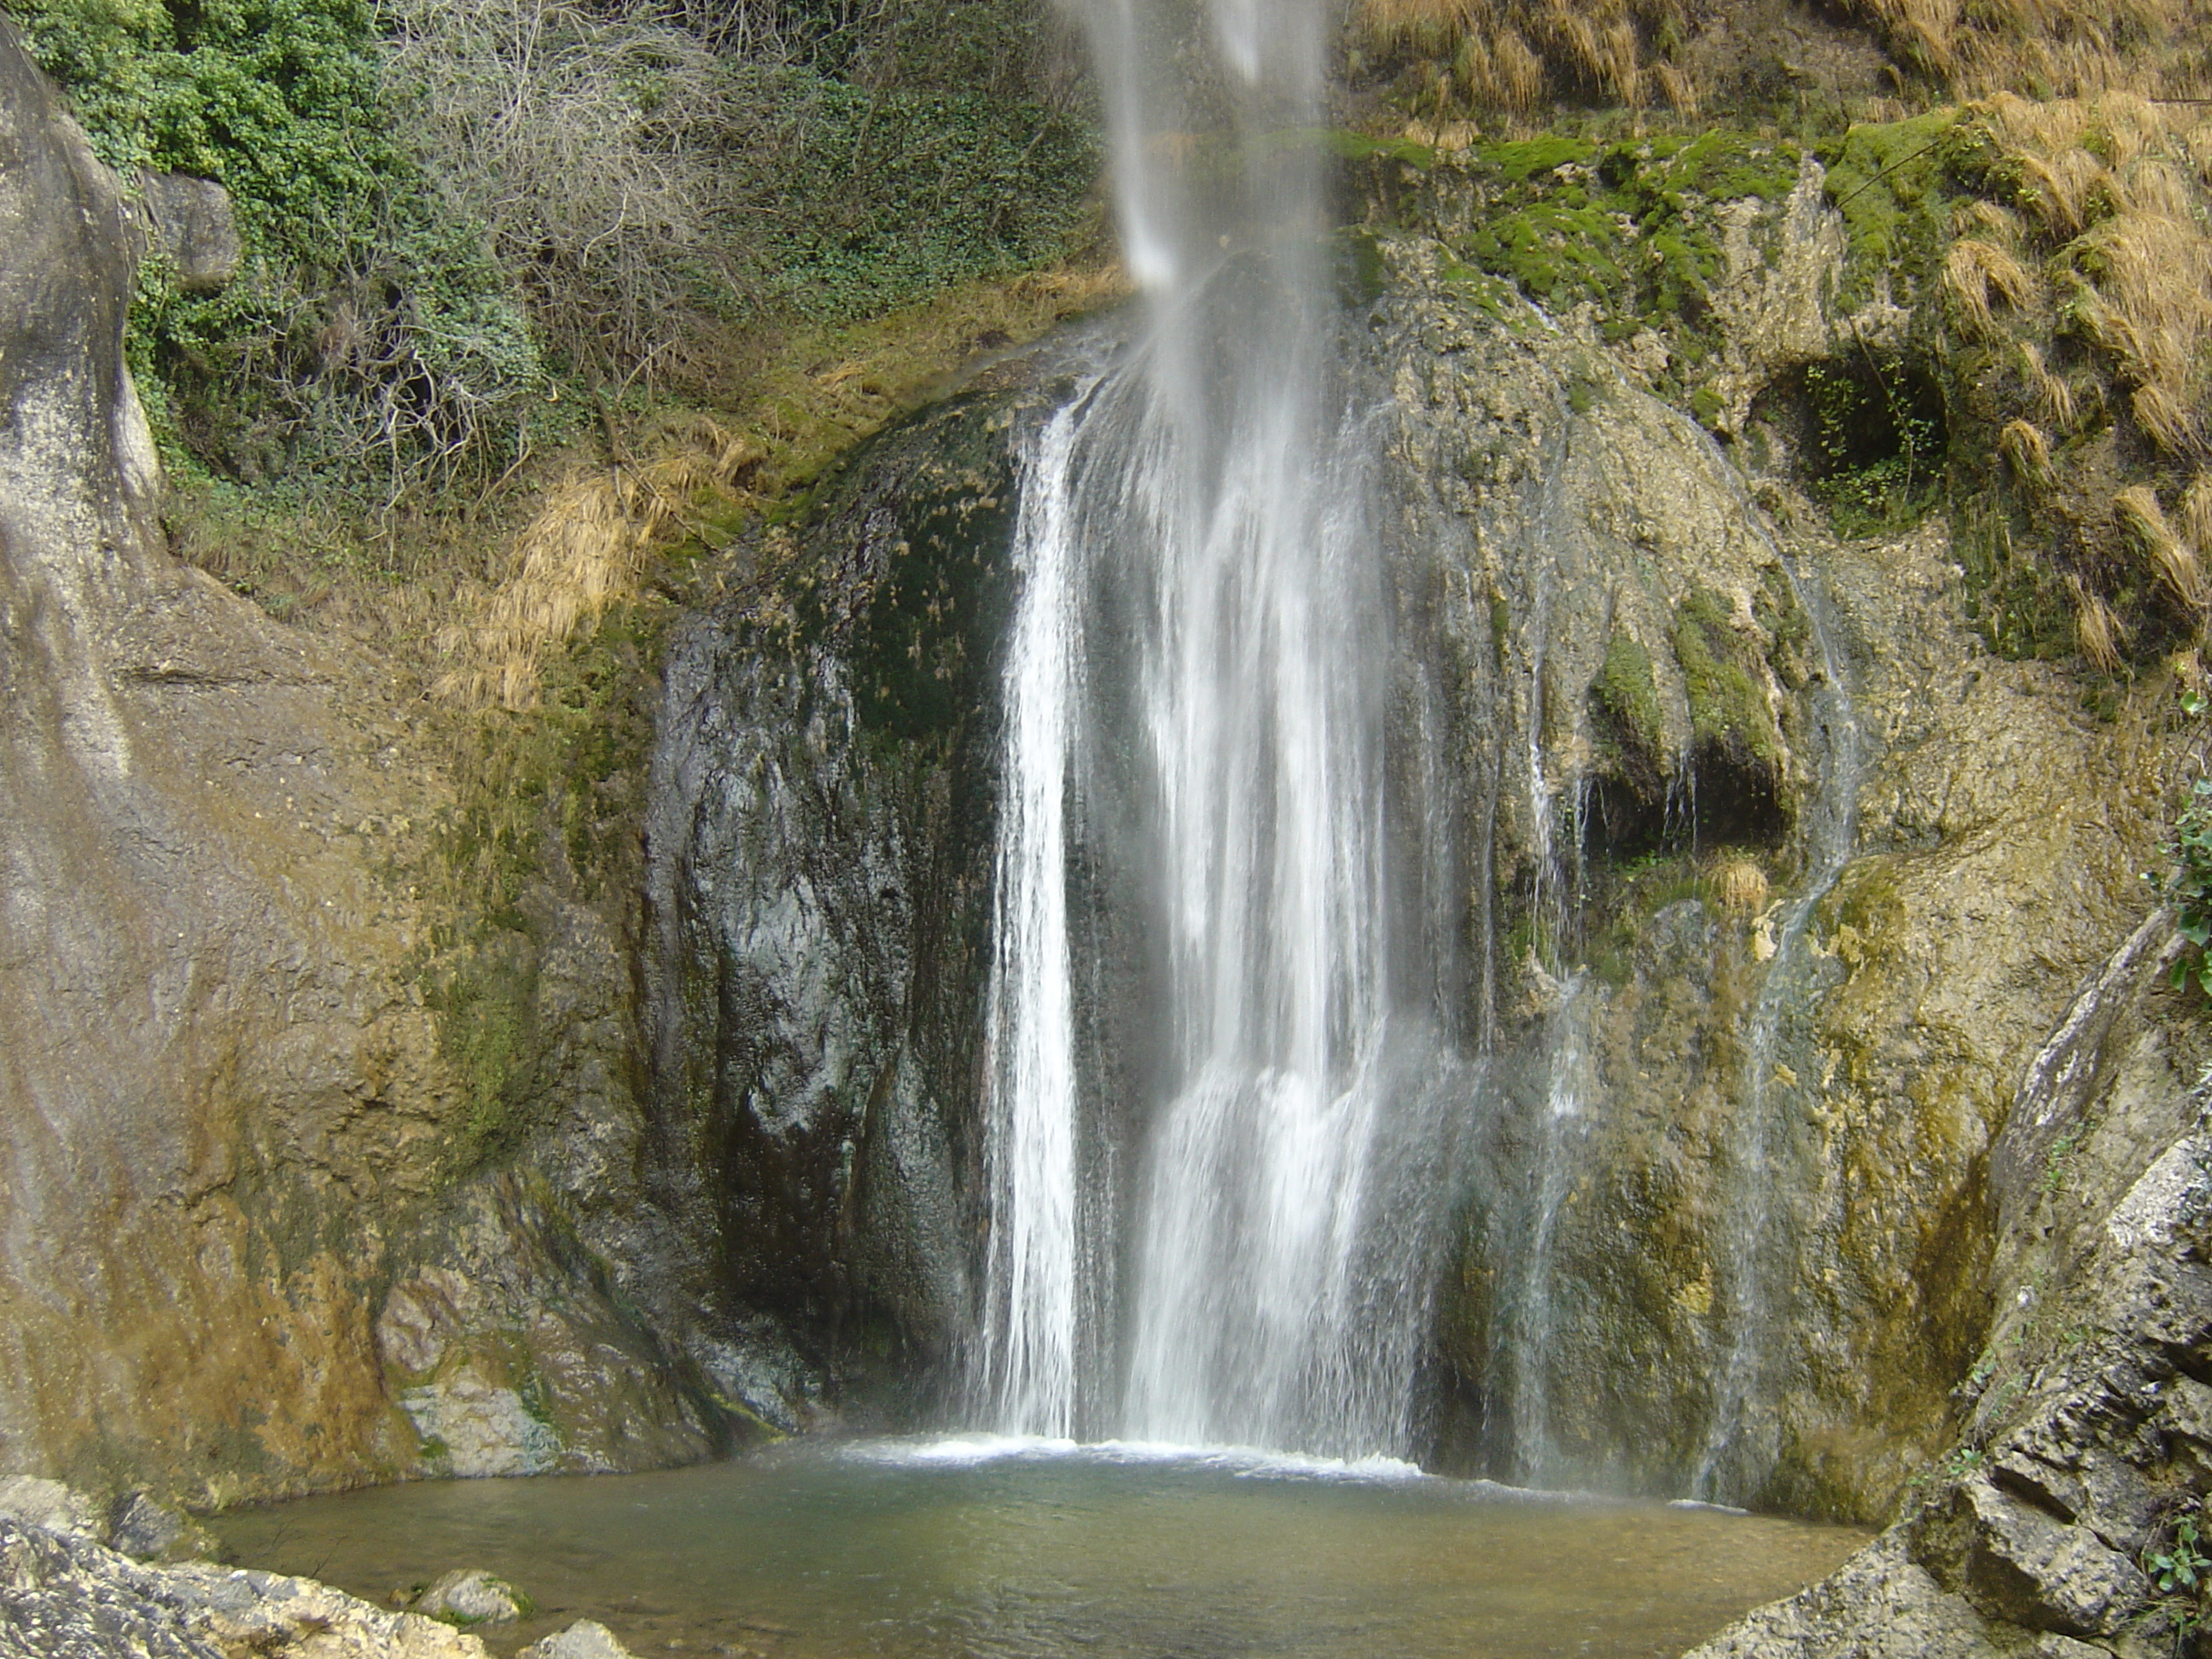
x,y
2169,423
1741,884
2061,188
2111,184
2095,628
599,526
1509,54
2079,48
1975,269
1979,216
2197,513
2027,451
2172,561
2051,398
583,552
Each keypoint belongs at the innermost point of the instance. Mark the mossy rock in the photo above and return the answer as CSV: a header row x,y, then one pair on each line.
x,y
1627,695
1723,676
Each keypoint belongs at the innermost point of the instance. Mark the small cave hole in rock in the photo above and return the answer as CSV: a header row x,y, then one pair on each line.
x,y
1870,434
1721,799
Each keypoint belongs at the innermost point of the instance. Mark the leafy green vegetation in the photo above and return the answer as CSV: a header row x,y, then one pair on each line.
x,y
453,215
1877,443
368,329
2181,1568
895,195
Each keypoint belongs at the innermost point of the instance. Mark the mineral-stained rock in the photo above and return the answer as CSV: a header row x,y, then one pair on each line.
x,y
585,1639
63,1598
235,1119
470,1595
2085,1439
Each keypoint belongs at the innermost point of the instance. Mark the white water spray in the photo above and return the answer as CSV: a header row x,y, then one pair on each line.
x,y
1200,646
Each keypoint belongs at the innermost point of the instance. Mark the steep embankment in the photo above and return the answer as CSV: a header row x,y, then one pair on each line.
x,y
234,1126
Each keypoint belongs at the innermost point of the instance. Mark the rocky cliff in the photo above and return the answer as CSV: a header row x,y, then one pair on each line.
x,y
245,1249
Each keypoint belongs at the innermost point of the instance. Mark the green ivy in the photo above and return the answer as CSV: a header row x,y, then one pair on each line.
x,y
367,330
889,196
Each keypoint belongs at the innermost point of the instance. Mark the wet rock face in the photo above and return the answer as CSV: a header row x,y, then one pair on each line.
x,y
1729,1230
2086,1441
819,892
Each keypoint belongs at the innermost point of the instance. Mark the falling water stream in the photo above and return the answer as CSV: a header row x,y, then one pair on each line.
x,y
1225,1124
1196,658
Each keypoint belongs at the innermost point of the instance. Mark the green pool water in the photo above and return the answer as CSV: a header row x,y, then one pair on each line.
x,y
1011,1550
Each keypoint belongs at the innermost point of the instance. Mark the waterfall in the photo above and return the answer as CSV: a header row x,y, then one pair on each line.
x,y
1740,1441
1031,1338
1195,707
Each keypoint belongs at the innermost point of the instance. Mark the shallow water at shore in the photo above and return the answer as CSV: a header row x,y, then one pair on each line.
x,y
1009,1549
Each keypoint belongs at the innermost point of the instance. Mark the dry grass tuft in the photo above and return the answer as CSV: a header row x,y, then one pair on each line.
x,y
2095,628
2172,561
2169,423
2027,451
2061,188
583,552
2052,397
1509,54
2075,47
2133,251
1977,216
2197,513
1973,269
1741,884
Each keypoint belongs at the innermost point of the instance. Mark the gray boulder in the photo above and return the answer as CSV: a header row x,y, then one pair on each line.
x,y
62,1511
469,1595
585,1639
190,221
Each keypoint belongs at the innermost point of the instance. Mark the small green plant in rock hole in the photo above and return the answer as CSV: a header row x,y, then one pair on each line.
x,y
2183,1571
2057,1166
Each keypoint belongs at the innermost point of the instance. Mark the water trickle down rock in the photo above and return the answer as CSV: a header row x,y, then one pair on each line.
x,y
2086,1431
1585,582
820,843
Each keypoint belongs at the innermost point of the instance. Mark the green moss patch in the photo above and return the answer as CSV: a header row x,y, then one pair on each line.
x,y
1625,225
1892,182
1728,707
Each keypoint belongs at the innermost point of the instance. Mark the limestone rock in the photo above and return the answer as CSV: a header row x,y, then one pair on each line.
x,y
239,1119
2087,1424
194,225
60,1510
62,1598
585,1639
2018,1564
147,1531
1880,1605
470,1595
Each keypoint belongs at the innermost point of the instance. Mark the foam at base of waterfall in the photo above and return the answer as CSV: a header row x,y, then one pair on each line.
x,y
975,1450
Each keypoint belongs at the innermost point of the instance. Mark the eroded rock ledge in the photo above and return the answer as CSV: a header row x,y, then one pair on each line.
x,y
2089,1435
